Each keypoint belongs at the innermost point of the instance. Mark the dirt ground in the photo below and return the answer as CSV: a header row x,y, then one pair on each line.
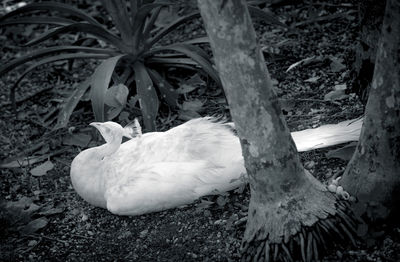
x,y
45,220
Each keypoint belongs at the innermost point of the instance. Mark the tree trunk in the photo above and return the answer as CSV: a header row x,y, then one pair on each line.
x,y
371,17
288,206
373,174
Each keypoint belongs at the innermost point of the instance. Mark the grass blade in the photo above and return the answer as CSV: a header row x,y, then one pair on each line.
x,y
51,6
99,85
148,99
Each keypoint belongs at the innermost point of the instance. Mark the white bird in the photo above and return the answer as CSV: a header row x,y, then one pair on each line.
x,y
161,170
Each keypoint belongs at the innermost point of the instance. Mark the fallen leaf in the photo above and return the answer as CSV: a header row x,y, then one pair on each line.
x,y
195,80
116,97
337,94
21,161
336,64
185,88
20,211
186,115
80,139
312,80
193,105
124,116
231,220
344,153
204,204
50,211
35,225
221,201
42,169
340,87
306,61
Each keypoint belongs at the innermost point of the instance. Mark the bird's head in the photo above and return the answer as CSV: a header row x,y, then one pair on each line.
x,y
110,131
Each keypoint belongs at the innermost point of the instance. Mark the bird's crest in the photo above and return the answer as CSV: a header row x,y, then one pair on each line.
x,y
133,129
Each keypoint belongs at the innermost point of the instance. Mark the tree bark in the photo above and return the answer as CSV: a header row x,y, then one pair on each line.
x,y
373,174
287,204
371,17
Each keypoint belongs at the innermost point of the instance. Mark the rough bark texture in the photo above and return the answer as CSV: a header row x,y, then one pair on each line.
x,y
371,17
284,198
373,174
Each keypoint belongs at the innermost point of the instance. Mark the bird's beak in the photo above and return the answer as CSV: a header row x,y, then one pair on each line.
x,y
95,124
98,126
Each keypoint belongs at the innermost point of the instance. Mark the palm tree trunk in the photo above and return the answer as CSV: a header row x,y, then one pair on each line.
x,y
373,174
370,17
287,204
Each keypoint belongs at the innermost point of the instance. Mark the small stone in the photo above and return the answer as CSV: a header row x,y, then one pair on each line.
x,y
144,233
84,217
32,243
332,188
309,165
220,222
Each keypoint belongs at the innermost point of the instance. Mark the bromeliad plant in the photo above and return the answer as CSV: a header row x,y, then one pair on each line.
x,y
134,60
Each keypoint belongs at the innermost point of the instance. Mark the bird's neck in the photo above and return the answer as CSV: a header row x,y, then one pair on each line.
x,y
88,172
109,148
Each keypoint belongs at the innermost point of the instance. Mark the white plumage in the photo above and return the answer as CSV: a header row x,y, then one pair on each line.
x,y
161,170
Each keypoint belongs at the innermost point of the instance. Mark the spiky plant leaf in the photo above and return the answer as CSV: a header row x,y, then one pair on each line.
x,y
168,62
94,30
51,51
38,20
195,53
148,99
255,12
199,40
118,11
51,6
167,91
99,85
173,25
139,22
51,60
71,102
150,23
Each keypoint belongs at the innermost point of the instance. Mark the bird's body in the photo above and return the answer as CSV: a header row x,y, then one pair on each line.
x,y
161,170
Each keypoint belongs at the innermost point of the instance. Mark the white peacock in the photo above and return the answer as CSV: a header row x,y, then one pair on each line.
x,y
162,170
